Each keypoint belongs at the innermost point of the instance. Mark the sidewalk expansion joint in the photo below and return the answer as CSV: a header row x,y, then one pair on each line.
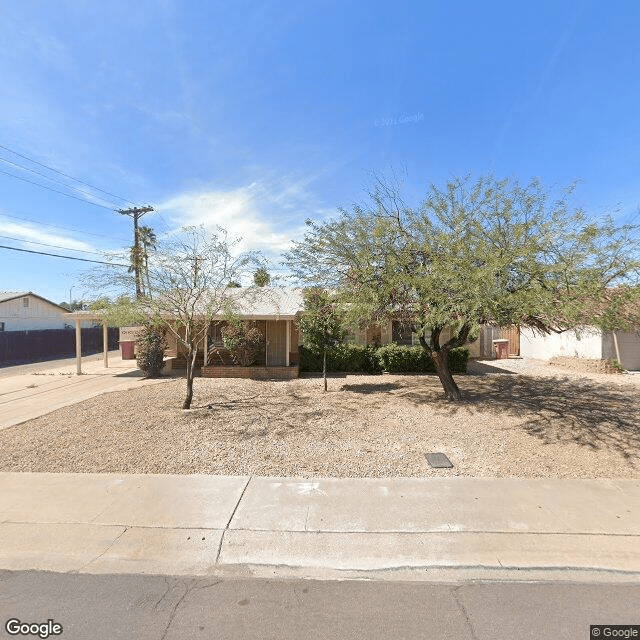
x,y
444,532
129,525
115,524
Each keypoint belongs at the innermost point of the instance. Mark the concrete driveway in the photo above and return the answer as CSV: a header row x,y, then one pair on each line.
x,y
30,391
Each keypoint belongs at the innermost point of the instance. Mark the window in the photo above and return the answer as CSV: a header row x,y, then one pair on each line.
x,y
25,302
1,326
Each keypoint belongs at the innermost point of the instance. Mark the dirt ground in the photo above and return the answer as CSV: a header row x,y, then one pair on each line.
x,y
524,419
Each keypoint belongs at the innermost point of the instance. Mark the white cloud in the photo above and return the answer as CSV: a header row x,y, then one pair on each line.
x,y
267,215
27,232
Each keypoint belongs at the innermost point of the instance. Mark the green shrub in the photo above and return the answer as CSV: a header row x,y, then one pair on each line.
x,y
458,360
396,358
150,351
615,364
357,358
354,357
243,339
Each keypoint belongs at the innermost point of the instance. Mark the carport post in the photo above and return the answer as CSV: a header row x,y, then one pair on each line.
x,y
105,344
78,347
205,355
288,340
615,344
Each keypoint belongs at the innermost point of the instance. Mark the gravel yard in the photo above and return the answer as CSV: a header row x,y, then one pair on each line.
x,y
524,419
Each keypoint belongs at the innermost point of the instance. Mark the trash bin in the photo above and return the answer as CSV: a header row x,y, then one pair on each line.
x,y
501,348
127,347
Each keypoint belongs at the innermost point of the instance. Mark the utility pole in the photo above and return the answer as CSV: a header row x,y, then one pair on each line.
x,y
136,213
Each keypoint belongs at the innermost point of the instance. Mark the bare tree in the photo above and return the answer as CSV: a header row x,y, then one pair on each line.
x,y
188,286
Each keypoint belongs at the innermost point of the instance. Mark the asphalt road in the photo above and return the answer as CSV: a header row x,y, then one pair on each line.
x,y
113,607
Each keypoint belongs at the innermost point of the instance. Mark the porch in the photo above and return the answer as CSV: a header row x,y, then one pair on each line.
x,y
277,355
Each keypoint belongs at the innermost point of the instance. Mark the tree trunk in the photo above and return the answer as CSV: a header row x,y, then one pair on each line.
x,y
439,356
191,359
449,385
324,369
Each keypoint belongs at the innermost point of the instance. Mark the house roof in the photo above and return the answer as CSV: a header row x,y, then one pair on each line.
x,y
268,302
11,295
253,303
5,296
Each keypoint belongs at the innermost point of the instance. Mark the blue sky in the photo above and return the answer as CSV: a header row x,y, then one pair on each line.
x,y
256,116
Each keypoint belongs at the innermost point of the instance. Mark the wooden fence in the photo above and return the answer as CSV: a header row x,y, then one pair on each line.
x,y
489,333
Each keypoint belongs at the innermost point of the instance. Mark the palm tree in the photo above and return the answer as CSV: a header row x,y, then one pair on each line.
x,y
261,277
139,259
135,266
147,239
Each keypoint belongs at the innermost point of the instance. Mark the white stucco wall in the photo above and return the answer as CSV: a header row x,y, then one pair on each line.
x,y
38,315
573,344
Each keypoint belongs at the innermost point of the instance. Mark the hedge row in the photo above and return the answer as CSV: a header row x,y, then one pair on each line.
x,y
394,358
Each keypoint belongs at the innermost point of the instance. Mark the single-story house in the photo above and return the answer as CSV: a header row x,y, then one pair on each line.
x,y
27,311
274,310
587,343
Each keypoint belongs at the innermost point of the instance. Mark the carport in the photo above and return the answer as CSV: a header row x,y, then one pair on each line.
x,y
89,316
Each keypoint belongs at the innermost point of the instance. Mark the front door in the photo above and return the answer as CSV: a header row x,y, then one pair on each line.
x,y
276,343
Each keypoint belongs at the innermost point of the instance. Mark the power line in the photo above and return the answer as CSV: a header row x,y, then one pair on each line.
x,y
37,184
54,246
86,184
55,255
164,222
56,226
46,177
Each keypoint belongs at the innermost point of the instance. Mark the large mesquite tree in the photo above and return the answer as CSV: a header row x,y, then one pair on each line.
x,y
474,252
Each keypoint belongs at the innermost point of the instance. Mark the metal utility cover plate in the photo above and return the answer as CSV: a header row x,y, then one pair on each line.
x,y
438,461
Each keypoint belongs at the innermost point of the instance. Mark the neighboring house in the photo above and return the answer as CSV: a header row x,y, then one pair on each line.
x,y
483,347
590,343
27,311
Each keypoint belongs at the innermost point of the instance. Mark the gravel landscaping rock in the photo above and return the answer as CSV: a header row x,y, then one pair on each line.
x,y
519,419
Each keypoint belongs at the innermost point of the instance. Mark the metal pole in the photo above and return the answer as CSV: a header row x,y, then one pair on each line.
x,y
288,341
78,347
105,344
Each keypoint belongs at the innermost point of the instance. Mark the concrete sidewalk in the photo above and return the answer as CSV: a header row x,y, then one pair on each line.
x,y
393,528
30,391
